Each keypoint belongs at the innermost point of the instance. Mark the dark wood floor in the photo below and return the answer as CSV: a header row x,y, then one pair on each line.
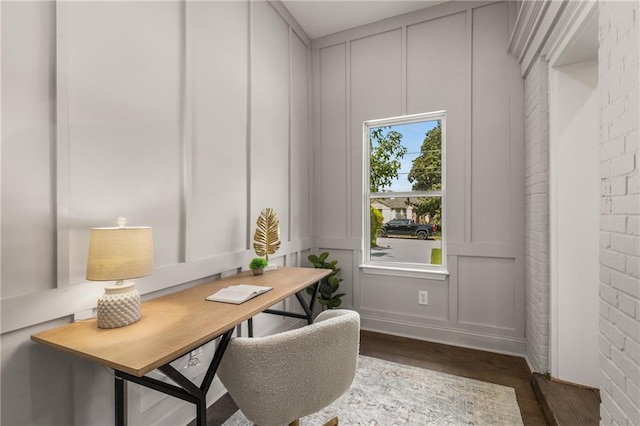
x,y
565,403
486,366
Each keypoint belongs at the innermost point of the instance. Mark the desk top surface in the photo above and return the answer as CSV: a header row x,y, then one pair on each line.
x,y
175,324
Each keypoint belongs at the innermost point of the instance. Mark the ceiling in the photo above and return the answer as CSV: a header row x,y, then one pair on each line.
x,y
324,17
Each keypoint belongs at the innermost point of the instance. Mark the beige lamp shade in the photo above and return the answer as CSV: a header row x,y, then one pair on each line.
x,y
120,253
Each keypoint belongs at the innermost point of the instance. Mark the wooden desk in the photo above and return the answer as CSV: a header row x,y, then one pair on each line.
x,y
172,326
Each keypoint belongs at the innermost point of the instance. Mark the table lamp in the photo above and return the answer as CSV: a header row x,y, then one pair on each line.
x,y
117,254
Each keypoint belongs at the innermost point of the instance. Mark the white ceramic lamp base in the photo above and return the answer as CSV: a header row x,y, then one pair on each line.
x,y
118,306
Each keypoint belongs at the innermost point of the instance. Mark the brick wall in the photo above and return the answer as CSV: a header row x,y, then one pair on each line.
x,y
620,214
537,216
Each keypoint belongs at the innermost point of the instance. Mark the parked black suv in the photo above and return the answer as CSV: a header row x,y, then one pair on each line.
x,y
407,227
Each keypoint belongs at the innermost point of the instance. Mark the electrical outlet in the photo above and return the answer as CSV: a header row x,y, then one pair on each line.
x,y
194,361
423,297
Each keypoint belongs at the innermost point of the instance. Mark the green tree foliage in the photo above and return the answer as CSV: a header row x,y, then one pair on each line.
x,y
426,173
375,225
386,151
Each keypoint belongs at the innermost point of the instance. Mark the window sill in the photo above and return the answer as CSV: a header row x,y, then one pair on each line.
x,y
406,271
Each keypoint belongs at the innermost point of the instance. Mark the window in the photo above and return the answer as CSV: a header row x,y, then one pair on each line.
x,y
404,230
400,213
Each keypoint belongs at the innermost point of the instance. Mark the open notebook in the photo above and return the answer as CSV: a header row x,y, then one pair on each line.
x,y
238,293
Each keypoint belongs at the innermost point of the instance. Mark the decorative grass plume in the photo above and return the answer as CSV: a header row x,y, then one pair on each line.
x,y
266,239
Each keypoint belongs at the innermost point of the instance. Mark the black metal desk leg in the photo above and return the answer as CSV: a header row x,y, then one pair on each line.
x,y
312,301
201,411
120,401
250,326
307,309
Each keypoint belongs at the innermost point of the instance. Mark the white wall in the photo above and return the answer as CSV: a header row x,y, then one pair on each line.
x,y
187,116
619,88
537,216
574,106
541,28
450,57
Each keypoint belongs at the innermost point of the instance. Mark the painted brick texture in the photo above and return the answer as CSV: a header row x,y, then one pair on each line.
x,y
537,216
620,213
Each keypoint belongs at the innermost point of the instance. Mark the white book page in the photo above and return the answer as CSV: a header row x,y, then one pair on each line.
x,y
238,293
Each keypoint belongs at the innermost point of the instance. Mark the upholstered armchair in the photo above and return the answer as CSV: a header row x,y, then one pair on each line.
x,y
277,379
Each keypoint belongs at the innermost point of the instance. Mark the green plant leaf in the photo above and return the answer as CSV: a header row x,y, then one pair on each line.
x,y
325,291
257,263
329,284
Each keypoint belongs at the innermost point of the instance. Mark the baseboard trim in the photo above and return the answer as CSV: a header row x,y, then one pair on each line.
x,y
454,337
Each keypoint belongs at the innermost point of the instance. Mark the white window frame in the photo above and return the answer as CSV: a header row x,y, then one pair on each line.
x,y
411,270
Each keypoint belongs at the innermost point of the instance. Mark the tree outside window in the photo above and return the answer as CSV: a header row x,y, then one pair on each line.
x,y
405,183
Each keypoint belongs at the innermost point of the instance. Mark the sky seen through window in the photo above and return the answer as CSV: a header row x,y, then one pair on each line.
x,y
412,138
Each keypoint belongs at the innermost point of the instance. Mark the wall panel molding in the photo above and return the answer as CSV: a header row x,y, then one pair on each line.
x,y
67,297
219,168
424,15
36,308
445,335
61,165
144,110
482,212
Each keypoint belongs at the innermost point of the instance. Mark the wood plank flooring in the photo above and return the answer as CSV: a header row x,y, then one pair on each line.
x,y
567,404
486,366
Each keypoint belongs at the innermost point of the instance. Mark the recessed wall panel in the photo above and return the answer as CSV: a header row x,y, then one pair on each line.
x,y
491,197
28,138
300,142
270,115
487,292
394,296
437,66
124,104
376,77
217,83
332,151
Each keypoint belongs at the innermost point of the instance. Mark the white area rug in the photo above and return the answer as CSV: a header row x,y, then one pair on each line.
x,y
386,393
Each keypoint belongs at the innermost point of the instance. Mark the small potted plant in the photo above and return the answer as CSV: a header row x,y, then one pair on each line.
x,y
327,291
257,265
